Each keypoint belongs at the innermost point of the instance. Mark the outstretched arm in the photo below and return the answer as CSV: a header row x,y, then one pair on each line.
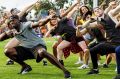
x,y
68,10
76,8
6,35
26,9
110,7
113,13
42,22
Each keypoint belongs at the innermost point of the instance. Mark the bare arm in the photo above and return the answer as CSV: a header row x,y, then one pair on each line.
x,y
49,31
102,5
90,24
86,25
6,35
113,13
110,7
79,32
68,10
26,9
42,22
76,8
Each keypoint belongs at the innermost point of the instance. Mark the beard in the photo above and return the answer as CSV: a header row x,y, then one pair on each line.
x,y
17,27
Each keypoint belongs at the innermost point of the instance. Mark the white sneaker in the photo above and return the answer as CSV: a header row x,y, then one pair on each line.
x,y
84,66
99,64
79,62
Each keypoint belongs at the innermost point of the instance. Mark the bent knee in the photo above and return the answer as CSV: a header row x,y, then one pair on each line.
x,y
42,52
9,51
54,46
60,47
86,50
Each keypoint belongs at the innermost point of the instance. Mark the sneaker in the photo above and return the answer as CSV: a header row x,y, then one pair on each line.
x,y
93,71
117,76
44,63
99,64
79,62
67,75
25,70
10,62
105,66
84,66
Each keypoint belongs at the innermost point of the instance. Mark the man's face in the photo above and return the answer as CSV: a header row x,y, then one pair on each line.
x,y
15,24
54,21
14,12
52,12
62,11
98,12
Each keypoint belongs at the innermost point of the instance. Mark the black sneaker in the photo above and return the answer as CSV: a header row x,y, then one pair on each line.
x,y
105,66
67,75
93,71
10,62
25,70
61,61
117,76
44,63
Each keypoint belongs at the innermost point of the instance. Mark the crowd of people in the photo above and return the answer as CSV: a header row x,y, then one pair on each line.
x,y
88,32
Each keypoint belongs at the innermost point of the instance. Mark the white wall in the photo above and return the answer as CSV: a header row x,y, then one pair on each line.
x,y
15,3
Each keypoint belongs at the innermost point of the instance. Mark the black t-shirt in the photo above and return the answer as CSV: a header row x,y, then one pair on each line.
x,y
67,32
23,18
112,33
96,33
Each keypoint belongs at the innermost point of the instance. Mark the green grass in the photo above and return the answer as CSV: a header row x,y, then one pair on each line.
x,y
50,72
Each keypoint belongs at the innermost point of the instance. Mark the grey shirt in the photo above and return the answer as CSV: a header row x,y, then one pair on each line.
x,y
28,37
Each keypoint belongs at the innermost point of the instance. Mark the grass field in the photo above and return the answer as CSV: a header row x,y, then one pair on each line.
x,y
50,72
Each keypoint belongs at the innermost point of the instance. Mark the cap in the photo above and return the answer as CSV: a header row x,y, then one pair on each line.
x,y
14,9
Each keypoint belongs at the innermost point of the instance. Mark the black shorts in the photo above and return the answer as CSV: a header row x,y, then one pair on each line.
x,y
73,39
28,53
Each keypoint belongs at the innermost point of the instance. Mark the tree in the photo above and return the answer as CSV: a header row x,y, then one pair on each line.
x,y
46,5
61,3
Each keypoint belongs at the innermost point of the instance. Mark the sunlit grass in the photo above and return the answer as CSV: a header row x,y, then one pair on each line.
x,y
50,72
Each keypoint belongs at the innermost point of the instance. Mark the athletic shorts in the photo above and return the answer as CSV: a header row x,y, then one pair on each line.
x,y
29,53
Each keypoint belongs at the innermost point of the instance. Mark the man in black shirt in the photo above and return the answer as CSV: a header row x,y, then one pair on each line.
x,y
112,33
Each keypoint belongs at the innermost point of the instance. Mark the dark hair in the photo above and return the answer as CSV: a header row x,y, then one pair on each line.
x,y
12,10
50,10
96,8
14,17
81,10
86,14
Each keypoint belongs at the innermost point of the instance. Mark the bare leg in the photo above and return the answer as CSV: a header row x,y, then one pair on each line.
x,y
12,43
60,48
108,59
12,54
59,40
80,59
43,53
83,45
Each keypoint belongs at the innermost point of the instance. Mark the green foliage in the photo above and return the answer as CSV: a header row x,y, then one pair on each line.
x,y
46,5
61,3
